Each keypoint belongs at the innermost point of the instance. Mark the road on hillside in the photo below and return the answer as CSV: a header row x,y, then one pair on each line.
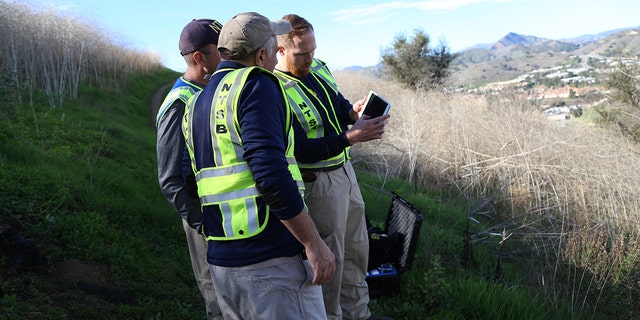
x,y
156,100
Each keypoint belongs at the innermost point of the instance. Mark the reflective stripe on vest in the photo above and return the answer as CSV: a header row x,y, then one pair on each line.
x,y
319,68
187,131
183,93
230,184
308,113
309,118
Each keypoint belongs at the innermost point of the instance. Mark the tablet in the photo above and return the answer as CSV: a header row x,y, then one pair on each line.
x,y
375,105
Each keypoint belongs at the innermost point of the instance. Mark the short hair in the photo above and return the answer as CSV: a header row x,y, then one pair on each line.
x,y
299,27
268,47
190,59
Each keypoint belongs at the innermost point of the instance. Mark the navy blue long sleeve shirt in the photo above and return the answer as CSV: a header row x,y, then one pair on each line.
x,y
310,150
261,116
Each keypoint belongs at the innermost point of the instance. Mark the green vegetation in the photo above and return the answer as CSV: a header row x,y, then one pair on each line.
x,y
83,186
438,287
413,63
80,181
625,80
522,219
622,112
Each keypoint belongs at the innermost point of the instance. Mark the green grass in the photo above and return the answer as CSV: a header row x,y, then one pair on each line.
x,y
439,285
80,180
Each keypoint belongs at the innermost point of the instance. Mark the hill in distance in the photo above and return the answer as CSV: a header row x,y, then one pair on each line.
x,y
517,55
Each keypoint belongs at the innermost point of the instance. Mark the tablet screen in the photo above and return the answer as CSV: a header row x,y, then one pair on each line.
x,y
376,106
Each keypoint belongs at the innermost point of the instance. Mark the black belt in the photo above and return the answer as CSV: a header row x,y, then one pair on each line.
x,y
311,175
323,169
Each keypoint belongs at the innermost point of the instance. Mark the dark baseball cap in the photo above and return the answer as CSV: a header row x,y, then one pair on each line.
x,y
199,33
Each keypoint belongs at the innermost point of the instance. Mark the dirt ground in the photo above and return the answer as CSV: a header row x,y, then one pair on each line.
x,y
156,99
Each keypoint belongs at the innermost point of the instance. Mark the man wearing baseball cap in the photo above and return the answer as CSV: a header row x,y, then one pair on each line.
x,y
198,45
239,135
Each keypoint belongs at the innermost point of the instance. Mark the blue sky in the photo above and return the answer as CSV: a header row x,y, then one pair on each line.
x,y
354,32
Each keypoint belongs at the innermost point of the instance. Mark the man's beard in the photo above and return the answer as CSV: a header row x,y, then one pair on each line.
x,y
297,72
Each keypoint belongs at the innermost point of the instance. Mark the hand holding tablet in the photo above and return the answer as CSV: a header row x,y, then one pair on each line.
x,y
371,128
375,105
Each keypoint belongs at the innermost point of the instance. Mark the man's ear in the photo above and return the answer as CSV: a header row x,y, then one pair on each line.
x,y
259,57
198,57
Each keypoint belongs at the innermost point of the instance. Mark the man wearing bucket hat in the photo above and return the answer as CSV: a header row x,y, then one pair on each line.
x,y
239,135
198,45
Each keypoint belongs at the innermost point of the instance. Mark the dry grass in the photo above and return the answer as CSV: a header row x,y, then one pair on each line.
x,y
569,192
44,50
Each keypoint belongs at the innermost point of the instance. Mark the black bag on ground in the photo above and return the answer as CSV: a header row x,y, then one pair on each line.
x,y
385,251
391,251
384,248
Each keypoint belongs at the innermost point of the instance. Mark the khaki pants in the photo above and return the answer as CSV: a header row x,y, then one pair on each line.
x,y
198,252
337,209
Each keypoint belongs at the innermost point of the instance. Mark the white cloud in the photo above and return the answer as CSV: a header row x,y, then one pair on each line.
x,y
367,14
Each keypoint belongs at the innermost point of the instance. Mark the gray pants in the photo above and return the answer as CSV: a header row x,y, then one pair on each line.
x,y
198,252
279,289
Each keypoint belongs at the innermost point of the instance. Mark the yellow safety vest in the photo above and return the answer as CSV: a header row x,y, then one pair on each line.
x,y
183,93
230,184
308,113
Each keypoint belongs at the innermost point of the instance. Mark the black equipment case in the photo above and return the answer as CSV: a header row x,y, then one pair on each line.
x,y
405,219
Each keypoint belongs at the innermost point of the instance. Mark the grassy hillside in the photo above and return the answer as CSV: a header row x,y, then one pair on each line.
x,y
79,184
523,219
